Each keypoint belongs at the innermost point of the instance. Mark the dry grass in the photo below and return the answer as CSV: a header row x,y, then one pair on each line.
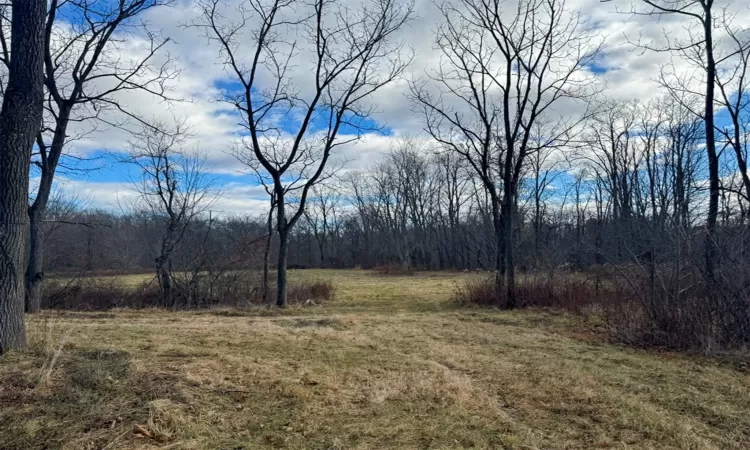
x,y
390,363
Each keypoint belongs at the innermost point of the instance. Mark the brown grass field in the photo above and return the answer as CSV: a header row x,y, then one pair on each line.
x,y
391,362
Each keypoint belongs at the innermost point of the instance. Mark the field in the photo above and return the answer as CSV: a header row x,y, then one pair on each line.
x,y
390,363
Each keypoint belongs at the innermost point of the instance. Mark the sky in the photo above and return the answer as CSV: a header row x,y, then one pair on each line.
x,y
622,72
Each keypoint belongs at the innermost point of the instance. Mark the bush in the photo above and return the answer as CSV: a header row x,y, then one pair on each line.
x,y
317,290
97,294
232,289
675,311
394,270
477,291
564,292
704,316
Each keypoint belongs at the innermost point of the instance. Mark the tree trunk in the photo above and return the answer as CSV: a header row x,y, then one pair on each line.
x,y
537,227
266,256
711,250
267,253
509,277
20,120
497,222
283,230
37,212
165,280
322,249
34,268
281,269
164,263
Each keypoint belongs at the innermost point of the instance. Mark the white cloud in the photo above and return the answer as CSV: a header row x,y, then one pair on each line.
x,y
630,75
236,199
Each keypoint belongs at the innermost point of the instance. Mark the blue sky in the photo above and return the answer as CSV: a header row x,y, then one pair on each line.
x,y
622,72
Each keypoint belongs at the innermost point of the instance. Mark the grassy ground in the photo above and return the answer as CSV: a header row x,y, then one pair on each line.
x,y
391,363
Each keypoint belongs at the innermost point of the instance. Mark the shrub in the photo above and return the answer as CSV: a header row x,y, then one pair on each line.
x,y
680,311
394,270
317,290
565,292
692,315
477,291
98,294
232,289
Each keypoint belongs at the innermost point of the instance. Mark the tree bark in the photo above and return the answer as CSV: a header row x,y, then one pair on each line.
x,y
164,274
509,197
497,222
711,250
509,275
20,120
267,251
37,213
283,230
281,269
164,261
34,271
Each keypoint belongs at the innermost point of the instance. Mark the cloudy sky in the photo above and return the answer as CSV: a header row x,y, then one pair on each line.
x,y
623,71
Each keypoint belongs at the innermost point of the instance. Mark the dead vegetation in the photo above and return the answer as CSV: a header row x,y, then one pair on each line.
x,y
683,312
231,289
390,363
76,396
386,270
571,292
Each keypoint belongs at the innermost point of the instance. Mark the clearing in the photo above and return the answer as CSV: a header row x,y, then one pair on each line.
x,y
390,363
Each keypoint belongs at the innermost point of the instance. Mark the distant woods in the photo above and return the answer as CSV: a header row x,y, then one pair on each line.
x,y
632,193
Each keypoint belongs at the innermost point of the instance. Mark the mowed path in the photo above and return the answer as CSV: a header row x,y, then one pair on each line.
x,y
390,363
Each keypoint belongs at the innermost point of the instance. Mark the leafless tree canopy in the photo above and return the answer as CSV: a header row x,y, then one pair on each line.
x,y
88,71
173,189
493,99
349,53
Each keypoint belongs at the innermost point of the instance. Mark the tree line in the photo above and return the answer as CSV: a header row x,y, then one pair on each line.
x,y
633,185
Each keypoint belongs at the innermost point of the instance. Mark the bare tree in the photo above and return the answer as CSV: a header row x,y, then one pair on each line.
x,y
611,135
698,48
402,194
454,180
267,247
356,187
86,74
347,53
733,83
20,118
322,215
174,189
390,211
507,71
545,168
